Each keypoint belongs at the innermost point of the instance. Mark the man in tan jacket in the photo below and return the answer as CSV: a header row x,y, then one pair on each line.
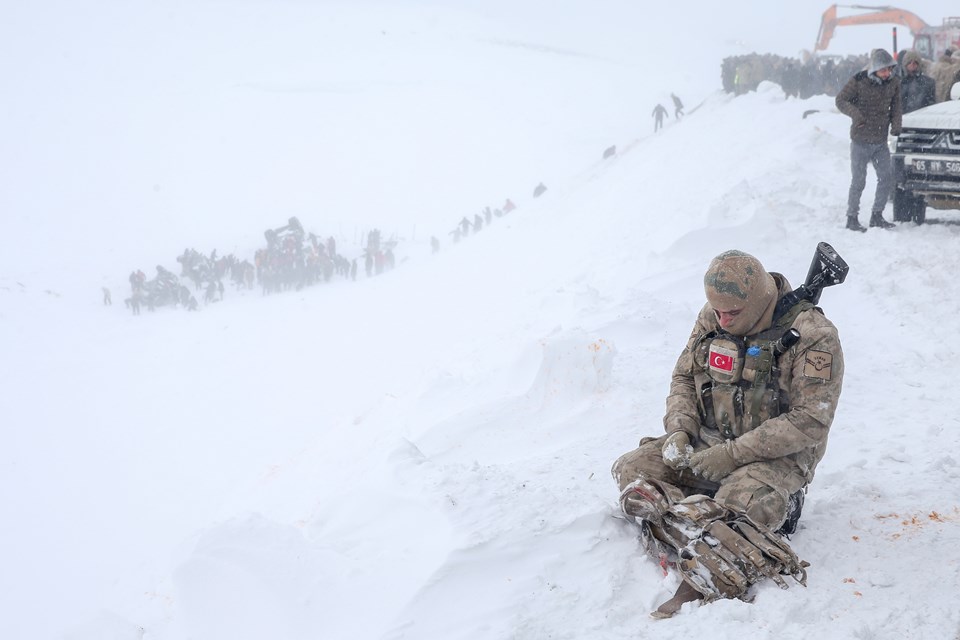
x,y
748,413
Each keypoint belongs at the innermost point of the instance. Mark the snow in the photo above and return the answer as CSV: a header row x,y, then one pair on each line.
x,y
943,115
425,454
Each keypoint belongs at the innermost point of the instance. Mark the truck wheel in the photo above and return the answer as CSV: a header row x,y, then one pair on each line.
x,y
919,209
903,206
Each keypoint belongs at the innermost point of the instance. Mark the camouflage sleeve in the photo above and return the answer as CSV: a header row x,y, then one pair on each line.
x,y
817,377
682,413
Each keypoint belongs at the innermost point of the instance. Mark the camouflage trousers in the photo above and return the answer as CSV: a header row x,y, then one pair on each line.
x,y
761,490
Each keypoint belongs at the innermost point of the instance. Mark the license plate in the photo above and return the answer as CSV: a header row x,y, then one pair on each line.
x,y
924,165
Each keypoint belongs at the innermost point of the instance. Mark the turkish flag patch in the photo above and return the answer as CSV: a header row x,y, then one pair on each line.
x,y
721,361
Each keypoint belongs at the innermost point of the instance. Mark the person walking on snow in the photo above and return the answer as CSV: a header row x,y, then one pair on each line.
x,y
658,114
678,106
872,100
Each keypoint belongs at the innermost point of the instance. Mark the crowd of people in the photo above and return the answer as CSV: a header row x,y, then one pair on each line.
x,y
817,76
825,75
292,259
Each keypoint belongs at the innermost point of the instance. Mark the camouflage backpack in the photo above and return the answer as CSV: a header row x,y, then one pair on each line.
x,y
718,552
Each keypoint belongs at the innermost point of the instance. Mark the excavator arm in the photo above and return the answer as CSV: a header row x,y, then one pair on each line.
x,y
877,15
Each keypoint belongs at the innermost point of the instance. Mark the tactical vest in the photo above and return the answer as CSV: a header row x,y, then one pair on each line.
x,y
738,378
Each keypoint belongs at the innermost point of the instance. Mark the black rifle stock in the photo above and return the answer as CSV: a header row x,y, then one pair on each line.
x,y
826,270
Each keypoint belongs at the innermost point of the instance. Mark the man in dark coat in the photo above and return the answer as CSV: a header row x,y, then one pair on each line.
x,y
659,112
872,100
916,89
678,106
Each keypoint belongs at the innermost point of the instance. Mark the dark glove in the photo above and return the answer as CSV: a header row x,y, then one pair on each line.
x,y
676,450
714,464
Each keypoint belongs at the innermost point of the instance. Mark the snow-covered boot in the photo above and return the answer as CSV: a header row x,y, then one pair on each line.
x,y
794,509
854,224
876,220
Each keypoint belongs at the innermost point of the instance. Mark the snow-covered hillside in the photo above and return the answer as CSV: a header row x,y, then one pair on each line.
x,y
425,453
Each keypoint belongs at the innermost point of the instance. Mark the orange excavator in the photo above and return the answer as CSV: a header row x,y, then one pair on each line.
x,y
929,41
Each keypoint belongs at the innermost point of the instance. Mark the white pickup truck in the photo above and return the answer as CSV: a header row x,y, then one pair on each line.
x,y
926,160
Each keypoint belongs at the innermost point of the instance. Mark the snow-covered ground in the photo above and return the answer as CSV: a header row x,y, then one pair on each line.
x,y
425,454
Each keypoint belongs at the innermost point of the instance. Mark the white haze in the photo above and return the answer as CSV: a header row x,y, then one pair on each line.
x,y
425,454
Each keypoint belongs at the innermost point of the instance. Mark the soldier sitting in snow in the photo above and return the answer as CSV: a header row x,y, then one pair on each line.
x,y
746,424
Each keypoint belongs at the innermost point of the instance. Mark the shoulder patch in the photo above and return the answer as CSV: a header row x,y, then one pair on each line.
x,y
818,364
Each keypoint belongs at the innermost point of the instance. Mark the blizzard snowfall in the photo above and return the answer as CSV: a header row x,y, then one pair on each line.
x,y
425,454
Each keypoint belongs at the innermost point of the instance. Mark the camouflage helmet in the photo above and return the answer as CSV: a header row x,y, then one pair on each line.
x,y
736,281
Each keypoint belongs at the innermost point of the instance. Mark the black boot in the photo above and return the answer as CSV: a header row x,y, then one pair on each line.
x,y
794,509
876,220
854,225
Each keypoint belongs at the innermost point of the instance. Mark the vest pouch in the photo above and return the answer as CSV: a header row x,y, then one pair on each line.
x,y
724,360
728,409
757,360
761,405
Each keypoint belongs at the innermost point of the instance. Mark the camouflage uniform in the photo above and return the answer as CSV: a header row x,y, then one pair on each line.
x,y
780,431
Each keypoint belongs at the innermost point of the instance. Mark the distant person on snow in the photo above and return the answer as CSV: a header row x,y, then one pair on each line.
x,y
107,298
135,302
539,190
746,425
210,295
678,106
659,112
916,89
872,100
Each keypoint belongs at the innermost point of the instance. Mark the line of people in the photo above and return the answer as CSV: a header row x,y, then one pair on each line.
x,y
466,226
